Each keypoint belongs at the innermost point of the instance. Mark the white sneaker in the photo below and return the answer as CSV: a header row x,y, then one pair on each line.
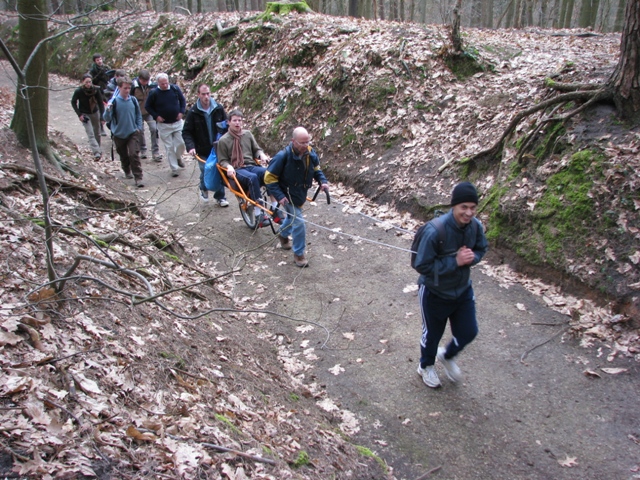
x,y
429,376
223,202
452,370
204,196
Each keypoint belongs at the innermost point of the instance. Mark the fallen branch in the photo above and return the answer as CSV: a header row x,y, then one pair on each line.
x,y
225,31
55,360
53,404
239,453
12,452
197,377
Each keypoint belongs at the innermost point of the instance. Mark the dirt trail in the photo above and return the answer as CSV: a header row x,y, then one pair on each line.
x,y
507,420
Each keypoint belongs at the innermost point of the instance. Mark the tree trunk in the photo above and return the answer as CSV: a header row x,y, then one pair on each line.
x,y
381,10
625,79
618,24
585,14
568,14
353,8
487,14
393,10
32,27
456,39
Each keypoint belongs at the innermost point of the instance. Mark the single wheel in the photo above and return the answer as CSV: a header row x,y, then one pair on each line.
x,y
247,211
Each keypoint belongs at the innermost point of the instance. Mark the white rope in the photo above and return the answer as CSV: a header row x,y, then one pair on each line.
x,y
357,237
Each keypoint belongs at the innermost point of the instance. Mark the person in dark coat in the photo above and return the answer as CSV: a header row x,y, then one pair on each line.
x,y
445,289
289,175
204,124
88,104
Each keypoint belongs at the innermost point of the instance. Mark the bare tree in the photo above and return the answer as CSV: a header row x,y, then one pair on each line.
x,y
625,80
30,119
622,89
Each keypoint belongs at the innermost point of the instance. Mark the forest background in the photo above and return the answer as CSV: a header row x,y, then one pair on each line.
x,y
598,15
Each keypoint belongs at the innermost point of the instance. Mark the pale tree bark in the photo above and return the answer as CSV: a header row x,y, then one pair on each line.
x,y
401,10
393,10
487,13
412,11
381,9
626,77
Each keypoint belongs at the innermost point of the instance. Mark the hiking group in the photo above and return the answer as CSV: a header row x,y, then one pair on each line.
x,y
109,97
443,252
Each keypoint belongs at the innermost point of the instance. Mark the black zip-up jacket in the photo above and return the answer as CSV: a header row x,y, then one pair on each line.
x,y
194,131
291,176
80,101
453,280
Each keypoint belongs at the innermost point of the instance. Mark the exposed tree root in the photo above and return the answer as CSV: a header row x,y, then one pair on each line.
x,y
64,183
586,94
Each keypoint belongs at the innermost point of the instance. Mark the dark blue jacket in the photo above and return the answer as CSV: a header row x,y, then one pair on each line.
x,y
453,280
166,103
291,176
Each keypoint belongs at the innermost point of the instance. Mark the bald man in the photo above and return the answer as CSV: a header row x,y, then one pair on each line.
x,y
289,175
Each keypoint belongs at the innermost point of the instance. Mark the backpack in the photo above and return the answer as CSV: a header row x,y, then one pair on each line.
x,y
113,114
438,224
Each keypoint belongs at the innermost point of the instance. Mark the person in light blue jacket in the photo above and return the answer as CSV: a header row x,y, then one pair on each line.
x,y
124,119
446,252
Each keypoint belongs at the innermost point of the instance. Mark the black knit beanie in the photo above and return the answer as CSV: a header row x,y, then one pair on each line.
x,y
464,192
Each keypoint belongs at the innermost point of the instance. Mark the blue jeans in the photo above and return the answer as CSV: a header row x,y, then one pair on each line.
x,y
460,312
295,224
219,195
251,177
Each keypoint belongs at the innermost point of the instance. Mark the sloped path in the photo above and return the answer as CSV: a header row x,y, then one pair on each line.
x,y
507,420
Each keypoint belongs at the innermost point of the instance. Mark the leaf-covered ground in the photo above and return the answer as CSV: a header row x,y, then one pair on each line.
x,y
96,387
387,111
107,381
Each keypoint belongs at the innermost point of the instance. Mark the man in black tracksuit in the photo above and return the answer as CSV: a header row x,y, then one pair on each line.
x,y
444,262
205,123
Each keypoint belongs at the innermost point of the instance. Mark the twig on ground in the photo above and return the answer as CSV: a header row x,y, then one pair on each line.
x,y
54,360
49,402
11,451
524,355
433,470
197,377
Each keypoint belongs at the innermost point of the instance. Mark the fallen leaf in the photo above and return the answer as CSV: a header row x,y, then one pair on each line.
x,y
614,371
133,432
568,462
592,373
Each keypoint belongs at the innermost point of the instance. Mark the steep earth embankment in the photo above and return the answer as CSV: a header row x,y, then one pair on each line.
x,y
387,110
